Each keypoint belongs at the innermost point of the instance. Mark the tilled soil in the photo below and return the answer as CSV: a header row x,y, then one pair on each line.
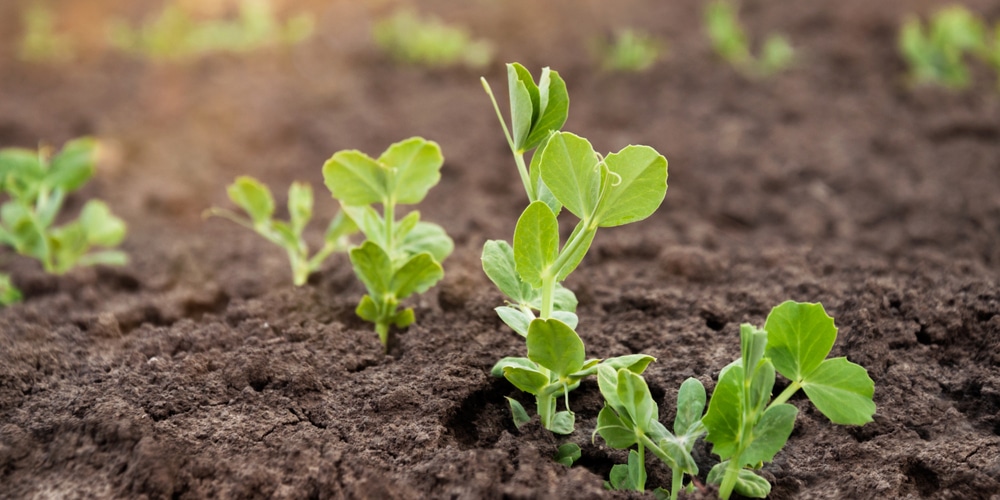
x,y
198,370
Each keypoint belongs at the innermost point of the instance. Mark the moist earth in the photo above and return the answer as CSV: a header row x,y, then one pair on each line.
x,y
199,371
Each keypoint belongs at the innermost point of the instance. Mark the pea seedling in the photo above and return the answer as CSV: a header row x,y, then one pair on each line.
x,y
936,53
427,41
256,200
630,418
37,186
746,427
730,42
623,187
629,50
399,257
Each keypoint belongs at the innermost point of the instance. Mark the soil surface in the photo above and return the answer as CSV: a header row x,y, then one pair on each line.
x,y
199,371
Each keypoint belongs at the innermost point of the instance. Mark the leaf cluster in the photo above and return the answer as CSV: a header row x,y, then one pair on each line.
x,y
937,52
629,51
36,185
399,257
730,42
427,41
746,427
257,202
175,34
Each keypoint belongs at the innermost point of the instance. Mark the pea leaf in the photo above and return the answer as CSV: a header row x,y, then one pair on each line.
x,y
637,186
417,275
515,318
635,363
100,226
799,337
354,178
536,243
636,399
527,380
615,431
520,416
723,419
427,237
373,267
842,391
535,177
553,107
523,103
368,221
300,206
554,345
691,400
253,197
576,255
415,167
340,226
770,434
748,483
73,166
525,363
563,422
569,169
500,267
568,453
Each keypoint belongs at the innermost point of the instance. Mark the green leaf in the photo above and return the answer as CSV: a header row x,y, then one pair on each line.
x,y
427,237
636,399
404,318
748,483
636,472
635,363
770,434
563,422
576,254
9,293
499,265
368,310
554,108
563,299
723,419
569,169
554,345
568,453
417,275
354,178
300,206
842,391
637,183
403,226
253,197
753,342
525,363
536,243
618,433
690,405
678,454
523,103
104,258
73,166
373,268
542,192
515,318
799,337
415,166
519,415
100,226
368,221
340,226
761,386
570,319
526,379
607,381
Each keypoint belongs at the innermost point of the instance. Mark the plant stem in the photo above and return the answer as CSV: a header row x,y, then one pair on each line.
x,y
642,466
546,409
676,483
518,155
389,207
729,480
382,329
785,394
577,239
548,295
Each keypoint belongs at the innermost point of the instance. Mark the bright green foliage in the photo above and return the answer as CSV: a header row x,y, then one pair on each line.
x,y
9,294
175,34
568,454
36,185
399,257
746,427
629,51
730,42
40,41
631,418
936,53
602,192
427,41
255,199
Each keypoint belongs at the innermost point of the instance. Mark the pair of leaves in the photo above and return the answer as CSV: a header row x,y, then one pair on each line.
x,y
410,235
384,280
257,201
500,266
535,109
403,174
624,187
24,174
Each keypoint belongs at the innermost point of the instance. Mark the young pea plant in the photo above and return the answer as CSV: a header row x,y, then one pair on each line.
x,y
936,53
746,426
37,183
730,42
630,418
256,200
399,257
629,51
427,41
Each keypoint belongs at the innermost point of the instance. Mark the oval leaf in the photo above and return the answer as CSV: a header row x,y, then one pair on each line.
x,y
770,434
499,265
842,391
416,276
637,186
354,178
414,167
569,169
536,243
253,197
799,336
554,345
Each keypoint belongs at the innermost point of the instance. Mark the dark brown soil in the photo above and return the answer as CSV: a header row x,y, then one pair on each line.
x,y
198,370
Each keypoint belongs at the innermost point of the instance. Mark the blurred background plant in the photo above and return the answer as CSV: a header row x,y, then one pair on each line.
x,y
427,41
936,53
178,34
40,42
729,41
629,50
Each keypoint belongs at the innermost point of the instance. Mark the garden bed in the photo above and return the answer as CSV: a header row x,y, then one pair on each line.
x,y
198,370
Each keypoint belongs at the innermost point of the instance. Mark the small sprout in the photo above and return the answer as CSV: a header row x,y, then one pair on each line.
x,y
256,200
730,42
399,257
629,51
568,454
9,294
746,427
176,35
936,53
427,41
40,41
631,418
37,185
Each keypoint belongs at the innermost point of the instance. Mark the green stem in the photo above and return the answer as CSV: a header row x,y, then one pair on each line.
x,y
546,404
729,480
577,239
642,466
389,207
382,329
518,155
676,483
548,296
785,394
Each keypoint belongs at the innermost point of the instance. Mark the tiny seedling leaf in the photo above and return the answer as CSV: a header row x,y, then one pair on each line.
x,y
373,268
723,419
417,275
415,166
690,405
748,483
563,422
536,243
519,415
253,197
300,206
515,318
568,453
554,345
799,337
